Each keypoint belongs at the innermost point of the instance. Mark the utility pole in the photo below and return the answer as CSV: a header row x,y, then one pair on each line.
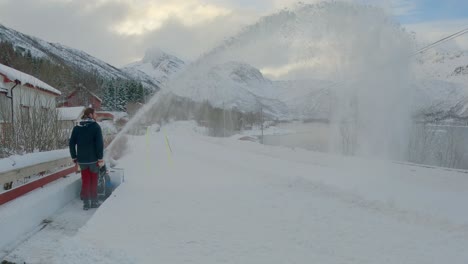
x,y
224,122
17,82
115,97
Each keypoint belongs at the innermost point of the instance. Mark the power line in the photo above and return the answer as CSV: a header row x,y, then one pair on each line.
x,y
440,41
454,35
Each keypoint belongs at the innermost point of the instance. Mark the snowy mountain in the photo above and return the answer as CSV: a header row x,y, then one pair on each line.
x,y
437,100
305,99
60,54
442,83
156,68
444,65
234,85
231,85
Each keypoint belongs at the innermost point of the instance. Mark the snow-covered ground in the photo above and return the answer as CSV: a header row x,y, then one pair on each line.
x,y
228,201
23,217
50,233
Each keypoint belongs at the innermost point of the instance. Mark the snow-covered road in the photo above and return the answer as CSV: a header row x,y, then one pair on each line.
x,y
43,244
228,201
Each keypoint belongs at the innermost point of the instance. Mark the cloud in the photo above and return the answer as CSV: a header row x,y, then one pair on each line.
x,y
72,23
119,31
189,42
153,14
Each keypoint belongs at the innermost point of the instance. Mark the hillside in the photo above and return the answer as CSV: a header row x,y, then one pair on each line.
x,y
63,67
59,54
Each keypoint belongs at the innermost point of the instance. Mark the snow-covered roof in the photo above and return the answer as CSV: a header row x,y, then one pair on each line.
x,y
95,96
24,78
117,115
70,113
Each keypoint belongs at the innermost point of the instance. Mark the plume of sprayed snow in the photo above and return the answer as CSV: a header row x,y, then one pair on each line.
x,y
357,46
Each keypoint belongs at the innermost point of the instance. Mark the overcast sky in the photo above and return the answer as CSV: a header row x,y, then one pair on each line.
x,y
119,31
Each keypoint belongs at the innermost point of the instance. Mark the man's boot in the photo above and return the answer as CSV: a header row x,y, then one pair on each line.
x,y
86,204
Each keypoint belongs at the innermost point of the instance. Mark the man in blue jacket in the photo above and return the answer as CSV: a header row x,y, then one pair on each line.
x,y
86,149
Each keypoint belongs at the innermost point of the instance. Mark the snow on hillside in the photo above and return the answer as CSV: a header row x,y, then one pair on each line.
x,y
228,201
156,67
449,65
147,81
433,96
241,86
85,61
306,99
22,41
56,52
232,85
441,82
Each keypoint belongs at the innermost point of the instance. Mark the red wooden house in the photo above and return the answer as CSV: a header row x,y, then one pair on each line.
x,y
83,97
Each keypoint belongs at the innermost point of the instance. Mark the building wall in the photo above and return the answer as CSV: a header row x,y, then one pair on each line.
x,y
5,116
96,104
5,108
68,125
25,96
26,99
83,98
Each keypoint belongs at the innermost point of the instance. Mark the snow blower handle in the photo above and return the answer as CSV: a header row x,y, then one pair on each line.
x,y
77,167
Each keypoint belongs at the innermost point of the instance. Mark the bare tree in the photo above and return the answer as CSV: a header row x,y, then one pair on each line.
x,y
36,126
6,135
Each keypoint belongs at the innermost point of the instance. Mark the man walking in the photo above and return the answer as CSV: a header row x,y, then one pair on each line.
x,y
86,149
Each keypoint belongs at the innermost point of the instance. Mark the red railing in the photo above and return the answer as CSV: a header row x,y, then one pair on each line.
x,y
38,169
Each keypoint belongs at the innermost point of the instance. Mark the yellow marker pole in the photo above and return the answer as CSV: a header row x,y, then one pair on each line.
x,y
169,149
148,150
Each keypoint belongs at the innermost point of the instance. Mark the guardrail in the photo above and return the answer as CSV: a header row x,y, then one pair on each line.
x,y
36,169
46,172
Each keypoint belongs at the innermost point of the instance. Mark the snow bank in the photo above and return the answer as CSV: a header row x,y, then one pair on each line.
x,y
21,161
24,215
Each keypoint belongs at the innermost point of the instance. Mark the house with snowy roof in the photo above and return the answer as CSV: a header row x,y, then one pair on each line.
x,y
21,93
70,116
81,96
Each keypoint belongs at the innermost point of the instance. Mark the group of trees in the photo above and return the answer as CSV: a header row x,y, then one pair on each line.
x,y
117,93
